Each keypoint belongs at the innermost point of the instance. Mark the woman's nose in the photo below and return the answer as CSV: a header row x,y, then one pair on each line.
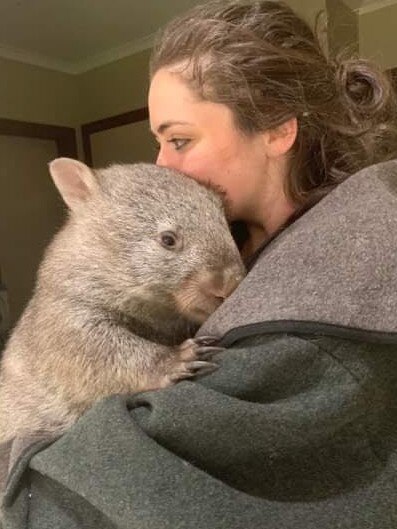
x,y
159,160
166,160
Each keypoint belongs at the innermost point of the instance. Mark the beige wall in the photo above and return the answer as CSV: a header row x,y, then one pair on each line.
x,y
378,35
126,144
35,94
122,85
30,212
114,88
31,93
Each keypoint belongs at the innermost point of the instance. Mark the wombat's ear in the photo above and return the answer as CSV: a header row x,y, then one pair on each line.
x,y
74,180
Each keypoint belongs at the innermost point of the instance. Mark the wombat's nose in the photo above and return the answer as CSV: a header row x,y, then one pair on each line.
x,y
221,284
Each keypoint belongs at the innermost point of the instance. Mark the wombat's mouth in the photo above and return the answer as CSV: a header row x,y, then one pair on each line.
x,y
201,293
200,313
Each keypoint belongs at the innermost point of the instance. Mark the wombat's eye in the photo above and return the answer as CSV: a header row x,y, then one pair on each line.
x,y
168,239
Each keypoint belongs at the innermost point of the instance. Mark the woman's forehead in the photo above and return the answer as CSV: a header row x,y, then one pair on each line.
x,y
172,102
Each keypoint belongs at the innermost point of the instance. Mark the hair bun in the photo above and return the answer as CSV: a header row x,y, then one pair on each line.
x,y
361,86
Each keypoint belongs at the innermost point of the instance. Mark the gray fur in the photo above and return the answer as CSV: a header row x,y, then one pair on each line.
x,y
103,318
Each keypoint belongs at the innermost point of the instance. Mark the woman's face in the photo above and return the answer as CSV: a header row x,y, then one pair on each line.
x,y
200,139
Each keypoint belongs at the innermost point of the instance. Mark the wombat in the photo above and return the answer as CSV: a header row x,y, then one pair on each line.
x,y
144,257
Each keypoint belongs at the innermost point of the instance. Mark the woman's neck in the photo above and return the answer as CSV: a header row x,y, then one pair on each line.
x,y
259,232
256,236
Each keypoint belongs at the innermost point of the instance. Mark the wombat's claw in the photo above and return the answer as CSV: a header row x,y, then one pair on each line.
x,y
197,343
201,347
201,367
193,369
191,358
208,352
206,340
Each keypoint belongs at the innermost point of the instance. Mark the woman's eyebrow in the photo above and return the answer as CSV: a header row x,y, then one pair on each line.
x,y
164,126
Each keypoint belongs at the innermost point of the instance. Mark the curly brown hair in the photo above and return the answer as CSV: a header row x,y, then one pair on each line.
x,y
265,63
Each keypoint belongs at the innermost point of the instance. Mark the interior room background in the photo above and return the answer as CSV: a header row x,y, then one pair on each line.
x,y
67,88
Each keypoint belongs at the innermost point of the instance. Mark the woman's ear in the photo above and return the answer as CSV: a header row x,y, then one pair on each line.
x,y
279,140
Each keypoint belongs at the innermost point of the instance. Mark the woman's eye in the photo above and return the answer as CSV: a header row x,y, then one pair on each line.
x,y
179,143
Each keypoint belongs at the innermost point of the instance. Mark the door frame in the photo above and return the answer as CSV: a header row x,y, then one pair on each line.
x,y
64,137
87,129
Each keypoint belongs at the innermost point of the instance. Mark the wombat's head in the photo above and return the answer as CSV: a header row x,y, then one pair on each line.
x,y
140,234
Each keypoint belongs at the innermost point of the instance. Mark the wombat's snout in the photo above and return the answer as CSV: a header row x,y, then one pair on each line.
x,y
202,293
220,285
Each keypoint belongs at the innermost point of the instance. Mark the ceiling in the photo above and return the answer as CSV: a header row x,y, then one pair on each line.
x,y
74,36
366,6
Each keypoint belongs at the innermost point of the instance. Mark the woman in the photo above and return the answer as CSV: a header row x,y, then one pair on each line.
x,y
298,427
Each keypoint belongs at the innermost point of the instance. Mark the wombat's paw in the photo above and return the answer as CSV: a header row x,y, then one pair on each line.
x,y
192,358
201,348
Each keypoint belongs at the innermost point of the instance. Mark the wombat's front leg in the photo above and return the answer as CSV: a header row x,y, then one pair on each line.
x,y
61,388
166,365
124,363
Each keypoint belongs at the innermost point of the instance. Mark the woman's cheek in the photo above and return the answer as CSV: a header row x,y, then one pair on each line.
x,y
196,169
